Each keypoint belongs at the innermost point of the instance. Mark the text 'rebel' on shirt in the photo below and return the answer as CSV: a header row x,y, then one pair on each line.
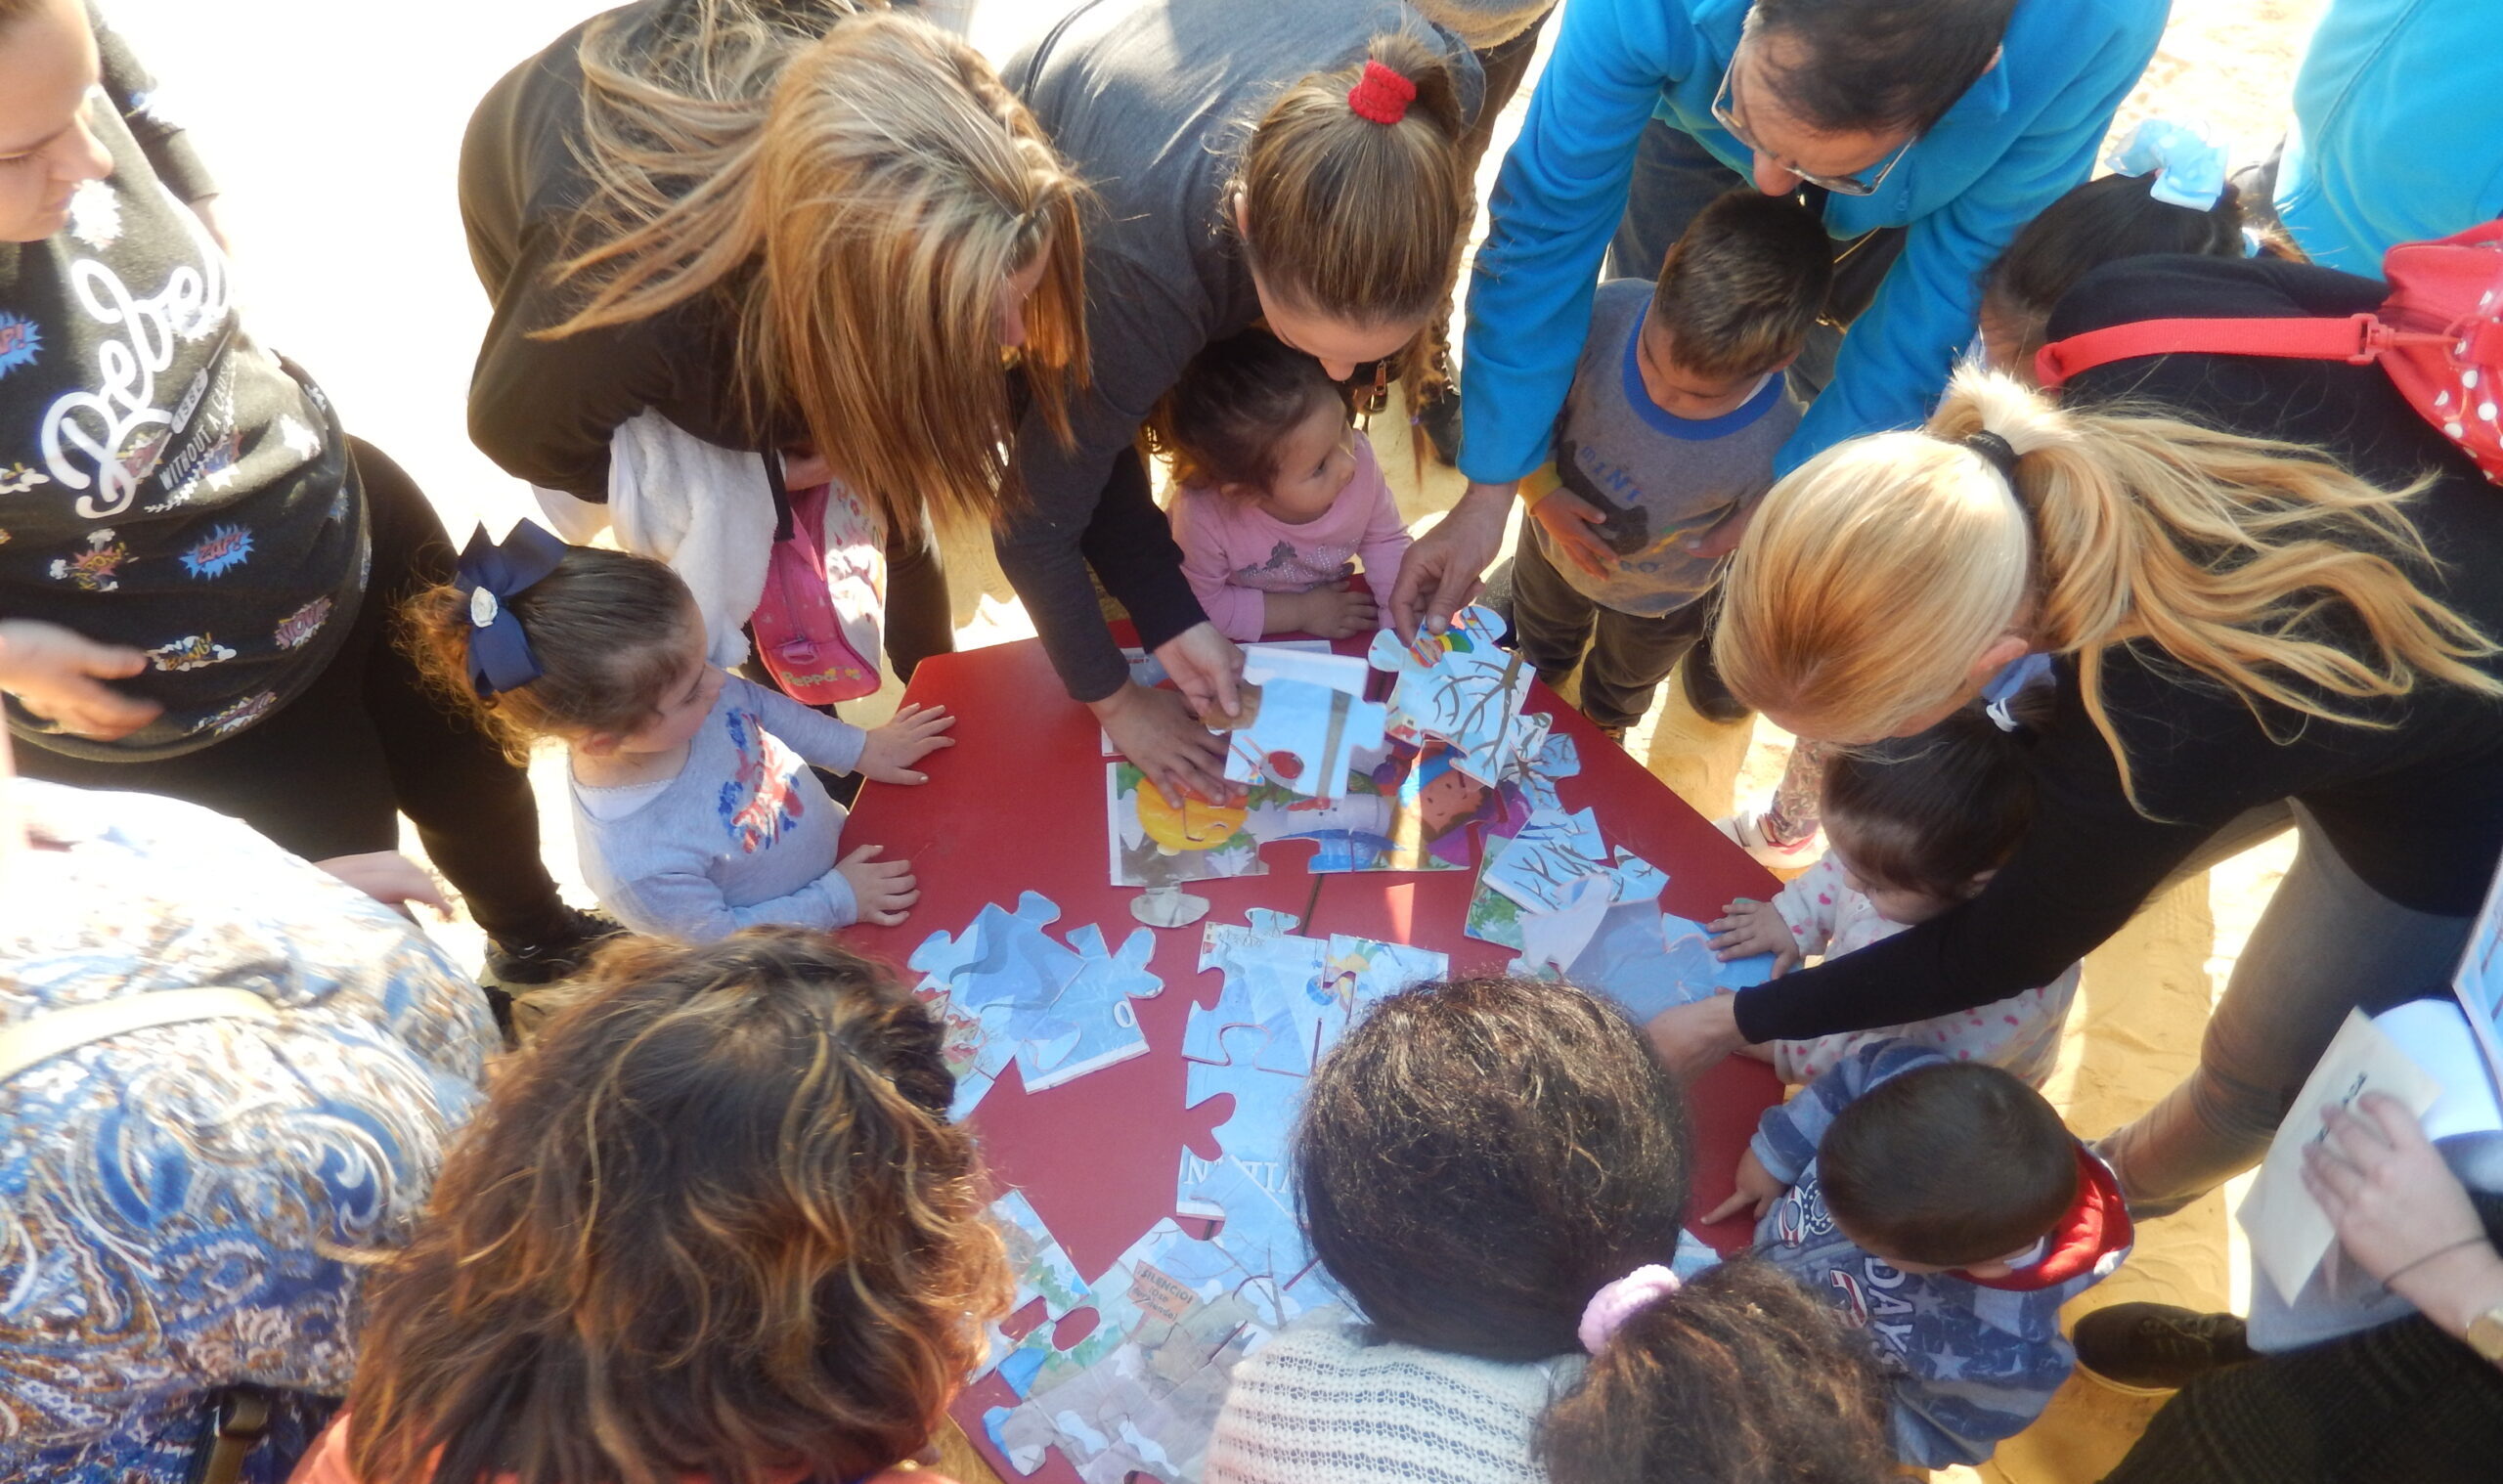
x,y
167,483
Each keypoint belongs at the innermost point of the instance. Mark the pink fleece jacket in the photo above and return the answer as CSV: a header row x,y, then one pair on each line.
x,y
1234,553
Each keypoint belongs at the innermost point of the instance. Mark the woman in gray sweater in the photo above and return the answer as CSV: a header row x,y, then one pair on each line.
x,y
1298,163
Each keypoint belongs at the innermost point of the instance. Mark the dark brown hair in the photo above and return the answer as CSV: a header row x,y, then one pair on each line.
x,y
1930,811
600,626
714,1223
1948,1164
1877,66
1220,424
1478,1157
1743,285
1357,220
1740,1377
2103,221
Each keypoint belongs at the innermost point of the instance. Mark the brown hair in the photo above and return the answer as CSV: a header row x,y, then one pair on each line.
x,y
1220,424
598,627
1743,285
1477,1158
1931,811
1741,1376
1946,1164
714,1223
2103,221
859,197
2222,551
1356,220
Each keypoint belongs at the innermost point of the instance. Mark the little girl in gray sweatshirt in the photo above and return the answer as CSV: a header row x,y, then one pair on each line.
x,y
696,808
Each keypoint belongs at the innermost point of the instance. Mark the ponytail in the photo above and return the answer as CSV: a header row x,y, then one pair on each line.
x,y
1356,200
1930,813
1739,1376
598,626
2224,551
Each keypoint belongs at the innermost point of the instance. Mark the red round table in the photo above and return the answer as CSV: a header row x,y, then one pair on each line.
x,y
1018,806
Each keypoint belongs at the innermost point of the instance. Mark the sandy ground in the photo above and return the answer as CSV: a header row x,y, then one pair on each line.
x,y
336,129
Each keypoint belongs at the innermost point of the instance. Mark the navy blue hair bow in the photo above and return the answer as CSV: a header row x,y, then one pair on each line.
x,y
490,575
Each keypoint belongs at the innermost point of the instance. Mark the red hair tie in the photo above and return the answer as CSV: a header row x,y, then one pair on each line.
x,y
1381,95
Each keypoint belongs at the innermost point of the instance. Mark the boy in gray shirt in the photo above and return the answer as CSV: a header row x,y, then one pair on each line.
x,y
1665,443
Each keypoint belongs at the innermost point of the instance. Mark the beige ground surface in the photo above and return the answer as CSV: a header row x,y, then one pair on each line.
x,y
336,125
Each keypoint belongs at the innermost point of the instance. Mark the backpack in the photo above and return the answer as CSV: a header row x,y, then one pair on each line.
x,y
2438,335
816,621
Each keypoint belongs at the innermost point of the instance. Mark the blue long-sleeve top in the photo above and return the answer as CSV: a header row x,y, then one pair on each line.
x,y
2399,129
2018,138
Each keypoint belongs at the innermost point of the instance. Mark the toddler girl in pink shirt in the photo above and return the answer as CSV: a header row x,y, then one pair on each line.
x,y
1279,496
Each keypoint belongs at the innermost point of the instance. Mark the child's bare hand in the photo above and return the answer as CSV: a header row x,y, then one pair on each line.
x,y
1573,525
915,732
1757,1191
1333,613
883,888
1747,927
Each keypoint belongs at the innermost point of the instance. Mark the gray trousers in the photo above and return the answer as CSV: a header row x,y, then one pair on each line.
x,y
1630,654
2327,944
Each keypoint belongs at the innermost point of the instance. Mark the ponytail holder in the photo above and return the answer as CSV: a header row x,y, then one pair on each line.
x,y
1997,452
2188,166
490,575
1616,1304
2017,676
1381,95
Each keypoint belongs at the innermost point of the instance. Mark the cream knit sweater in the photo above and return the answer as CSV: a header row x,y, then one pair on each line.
x,y
1328,1403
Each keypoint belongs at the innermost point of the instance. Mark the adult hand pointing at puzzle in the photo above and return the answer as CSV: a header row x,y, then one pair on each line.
x,y
1440,571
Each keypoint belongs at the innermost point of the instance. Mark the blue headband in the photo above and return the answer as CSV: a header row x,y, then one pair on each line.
x,y
490,575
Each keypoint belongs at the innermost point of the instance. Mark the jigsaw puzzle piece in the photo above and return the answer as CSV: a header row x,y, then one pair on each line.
x,y
1303,738
1547,859
1462,686
1090,1023
1648,960
1272,981
1043,1272
1359,971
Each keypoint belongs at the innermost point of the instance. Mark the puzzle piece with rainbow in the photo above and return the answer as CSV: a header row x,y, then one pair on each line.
x,y
1460,686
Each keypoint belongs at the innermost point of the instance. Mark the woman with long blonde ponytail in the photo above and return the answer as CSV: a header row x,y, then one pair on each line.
x,y
811,229
2254,583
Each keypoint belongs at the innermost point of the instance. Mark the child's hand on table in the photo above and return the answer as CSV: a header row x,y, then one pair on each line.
x,y
883,888
1756,1193
1331,613
915,732
1748,926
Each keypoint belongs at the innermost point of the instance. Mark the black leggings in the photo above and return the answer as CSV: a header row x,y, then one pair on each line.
x,y
329,773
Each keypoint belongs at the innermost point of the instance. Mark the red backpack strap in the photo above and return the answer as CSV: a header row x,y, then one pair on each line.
x,y
2300,339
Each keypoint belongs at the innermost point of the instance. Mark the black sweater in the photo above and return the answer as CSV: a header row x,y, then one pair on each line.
x,y
2415,808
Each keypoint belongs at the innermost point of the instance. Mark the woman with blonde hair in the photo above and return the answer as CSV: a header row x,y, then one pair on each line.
x,y
2253,583
1300,164
715,1225
808,229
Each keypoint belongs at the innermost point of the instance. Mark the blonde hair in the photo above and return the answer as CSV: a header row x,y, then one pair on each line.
x,y
1357,220
858,197
1876,574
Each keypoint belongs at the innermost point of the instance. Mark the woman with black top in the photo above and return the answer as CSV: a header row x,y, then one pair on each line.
x,y
1298,163
789,226
2233,620
195,560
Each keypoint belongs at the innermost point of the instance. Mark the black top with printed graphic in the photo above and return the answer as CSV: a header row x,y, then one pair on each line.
x,y
166,481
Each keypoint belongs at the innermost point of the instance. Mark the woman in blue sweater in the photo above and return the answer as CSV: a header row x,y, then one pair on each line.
x,y
1956,121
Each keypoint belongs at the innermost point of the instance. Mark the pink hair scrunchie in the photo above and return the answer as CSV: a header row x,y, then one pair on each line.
x,y
1616,1302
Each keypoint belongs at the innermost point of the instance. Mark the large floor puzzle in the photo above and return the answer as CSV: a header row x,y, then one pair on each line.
x,y
1139,1391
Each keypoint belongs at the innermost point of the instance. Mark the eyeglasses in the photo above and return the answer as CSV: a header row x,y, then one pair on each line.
x,y
1727,119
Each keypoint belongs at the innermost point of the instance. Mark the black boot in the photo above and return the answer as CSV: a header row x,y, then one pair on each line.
x,y
1704,688
559,951
2145,1344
